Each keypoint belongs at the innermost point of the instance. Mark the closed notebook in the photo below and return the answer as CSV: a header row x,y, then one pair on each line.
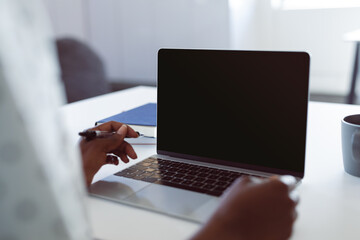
x,y
141,119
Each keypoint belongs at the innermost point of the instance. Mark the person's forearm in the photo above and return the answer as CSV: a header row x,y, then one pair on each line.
x,y
214,230
88,176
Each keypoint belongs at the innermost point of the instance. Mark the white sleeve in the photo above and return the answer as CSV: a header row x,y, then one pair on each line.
x,y
41,183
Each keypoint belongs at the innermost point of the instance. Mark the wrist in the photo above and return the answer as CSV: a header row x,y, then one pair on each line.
x,y
88,175
219,227
213,229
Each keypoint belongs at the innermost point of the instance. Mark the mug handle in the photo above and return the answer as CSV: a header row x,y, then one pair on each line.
x,y
355,140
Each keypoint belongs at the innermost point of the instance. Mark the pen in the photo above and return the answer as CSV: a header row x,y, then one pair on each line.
x,y
92,134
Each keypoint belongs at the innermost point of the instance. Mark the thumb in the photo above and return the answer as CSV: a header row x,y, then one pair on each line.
x,y
110,143
122,130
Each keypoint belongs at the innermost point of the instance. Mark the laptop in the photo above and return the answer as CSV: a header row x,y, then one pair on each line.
x,y
221,114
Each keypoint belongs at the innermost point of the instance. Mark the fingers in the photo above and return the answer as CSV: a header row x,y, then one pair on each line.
x,y
124,151
111,159
290,198
290,181
129,150
109,143
277,186
243,180
124,158
287,197
114,144
291,184
294,215
113,126
237,186
294,195
285,181
283,186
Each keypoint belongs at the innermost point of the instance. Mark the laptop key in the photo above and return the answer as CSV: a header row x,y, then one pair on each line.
x,y
220,183
172,170
159,160
214,177
210,181
177,180
219,189
235,175
149,160
158,176
167,174
192,172
166,178
183,171
130,170
120,174
224,179
147,174
164,167
189,177
145,164
199,179
138,177
179,175
203,175
187,182
208,186
198,184
149,179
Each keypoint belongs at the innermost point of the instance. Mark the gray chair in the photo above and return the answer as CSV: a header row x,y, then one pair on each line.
x,y
82,70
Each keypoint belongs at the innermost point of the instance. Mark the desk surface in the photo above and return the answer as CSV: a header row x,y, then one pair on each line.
x,y
329,205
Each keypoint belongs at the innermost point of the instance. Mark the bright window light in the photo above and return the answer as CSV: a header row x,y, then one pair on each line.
x,y
313,4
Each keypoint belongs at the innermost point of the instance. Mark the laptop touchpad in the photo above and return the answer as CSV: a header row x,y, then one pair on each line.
x,y
173,201
116,188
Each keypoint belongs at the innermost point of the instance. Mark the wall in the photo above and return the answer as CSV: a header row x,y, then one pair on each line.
x,y
256,25
250,24
320,32
128,33
68,17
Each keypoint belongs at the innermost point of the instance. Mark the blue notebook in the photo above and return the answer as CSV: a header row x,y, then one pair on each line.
x,y
142,119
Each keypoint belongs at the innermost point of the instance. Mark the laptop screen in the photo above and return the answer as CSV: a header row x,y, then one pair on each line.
x,y
238,108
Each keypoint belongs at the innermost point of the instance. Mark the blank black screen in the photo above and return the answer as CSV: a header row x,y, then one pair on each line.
x,y
241,108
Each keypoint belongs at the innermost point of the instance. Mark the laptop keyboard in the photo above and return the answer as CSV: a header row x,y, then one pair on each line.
x,y
186,176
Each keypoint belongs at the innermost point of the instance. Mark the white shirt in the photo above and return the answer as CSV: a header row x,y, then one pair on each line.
x,y
41,184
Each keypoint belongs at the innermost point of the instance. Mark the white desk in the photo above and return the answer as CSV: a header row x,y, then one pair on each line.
x,y
329,205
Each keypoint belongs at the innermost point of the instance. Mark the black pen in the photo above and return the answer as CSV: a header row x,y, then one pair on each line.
x,y
92,134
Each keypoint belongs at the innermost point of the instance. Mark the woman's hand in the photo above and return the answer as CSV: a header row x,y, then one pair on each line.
x,y
252,211
95,152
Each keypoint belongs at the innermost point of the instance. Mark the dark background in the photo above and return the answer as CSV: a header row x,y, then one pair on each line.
x,y
239,106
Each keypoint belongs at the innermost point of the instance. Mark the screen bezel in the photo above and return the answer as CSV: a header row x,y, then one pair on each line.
x,y
201,159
